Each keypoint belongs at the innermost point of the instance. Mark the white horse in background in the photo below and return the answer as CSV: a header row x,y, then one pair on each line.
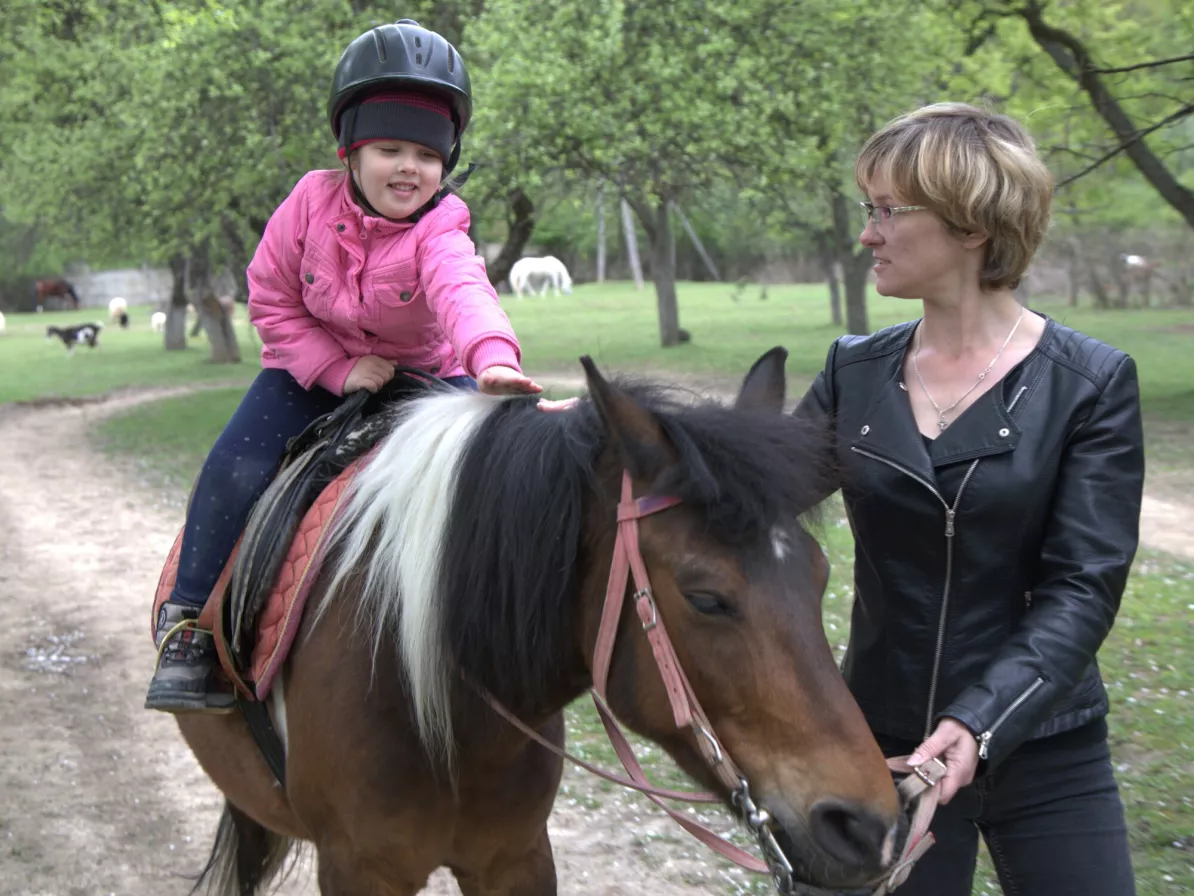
x,y
549,269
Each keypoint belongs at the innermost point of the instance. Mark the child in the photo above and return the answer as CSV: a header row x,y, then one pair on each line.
x,y
358,270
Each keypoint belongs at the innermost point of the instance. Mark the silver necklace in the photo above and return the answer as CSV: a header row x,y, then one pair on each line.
x,y
942,423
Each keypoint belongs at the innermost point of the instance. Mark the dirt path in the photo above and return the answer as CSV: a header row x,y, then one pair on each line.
x,y
97,795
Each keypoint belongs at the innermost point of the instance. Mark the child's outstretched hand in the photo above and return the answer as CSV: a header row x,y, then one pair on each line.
x,y
508,381
370,372
499,380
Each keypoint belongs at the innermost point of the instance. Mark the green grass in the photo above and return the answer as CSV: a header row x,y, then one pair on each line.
x,y
34,368
1147,662
166,441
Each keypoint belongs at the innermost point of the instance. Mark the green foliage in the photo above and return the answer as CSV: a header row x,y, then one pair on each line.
x,y
152,129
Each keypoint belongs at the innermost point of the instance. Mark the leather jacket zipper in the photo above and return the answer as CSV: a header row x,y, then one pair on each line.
x,y
984,739
950,531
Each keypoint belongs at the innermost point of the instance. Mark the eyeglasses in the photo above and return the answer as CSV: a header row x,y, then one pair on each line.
x,y
881,214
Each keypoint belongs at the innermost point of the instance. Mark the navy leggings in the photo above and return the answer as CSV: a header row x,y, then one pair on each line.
x,y
1051,816
239,469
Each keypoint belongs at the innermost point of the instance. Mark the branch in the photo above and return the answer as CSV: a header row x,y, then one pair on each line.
x,y
1072,57
1155,64
1180,113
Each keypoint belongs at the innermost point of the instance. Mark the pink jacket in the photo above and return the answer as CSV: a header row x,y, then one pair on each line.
x,y
330,284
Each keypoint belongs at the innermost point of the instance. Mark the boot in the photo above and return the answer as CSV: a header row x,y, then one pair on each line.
x,y
184,678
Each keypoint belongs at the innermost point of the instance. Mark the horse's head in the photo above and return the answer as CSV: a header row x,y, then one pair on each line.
x,y
737,583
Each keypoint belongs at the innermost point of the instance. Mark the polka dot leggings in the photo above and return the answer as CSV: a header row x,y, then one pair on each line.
x,y
237,471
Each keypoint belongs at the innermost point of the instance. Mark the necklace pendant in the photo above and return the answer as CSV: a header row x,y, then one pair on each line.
x,y
941,424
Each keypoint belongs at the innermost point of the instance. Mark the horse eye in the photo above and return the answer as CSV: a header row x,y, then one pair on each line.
x,y
709,604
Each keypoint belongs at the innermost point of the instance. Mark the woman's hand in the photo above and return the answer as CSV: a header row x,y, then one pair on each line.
x,y
955,745
369,373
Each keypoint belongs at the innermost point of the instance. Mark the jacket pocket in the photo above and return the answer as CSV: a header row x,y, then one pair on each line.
x,y
393,287
318,280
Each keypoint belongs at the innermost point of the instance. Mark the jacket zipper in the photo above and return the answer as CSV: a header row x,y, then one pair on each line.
x,y
984,739
950,531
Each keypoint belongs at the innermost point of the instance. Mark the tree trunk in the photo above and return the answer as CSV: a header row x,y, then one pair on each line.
x,y
830,266
520,224
211,315
856,264
631,235
176,311
1097,289
601,233
698,245
658,223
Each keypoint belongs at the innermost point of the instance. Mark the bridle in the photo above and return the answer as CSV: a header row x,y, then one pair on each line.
x,y
919,787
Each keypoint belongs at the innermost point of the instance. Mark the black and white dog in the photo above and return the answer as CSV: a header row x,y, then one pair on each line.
x,y
72,336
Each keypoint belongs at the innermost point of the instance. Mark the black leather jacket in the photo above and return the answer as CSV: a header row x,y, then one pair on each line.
x,y
987,575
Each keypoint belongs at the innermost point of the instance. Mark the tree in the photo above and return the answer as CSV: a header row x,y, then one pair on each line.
x,y
619,92
1132,66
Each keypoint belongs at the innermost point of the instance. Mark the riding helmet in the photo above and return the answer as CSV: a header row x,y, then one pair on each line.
x,y
402,56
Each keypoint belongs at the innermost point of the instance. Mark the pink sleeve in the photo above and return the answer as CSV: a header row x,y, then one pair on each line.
x,y
459,292
295,337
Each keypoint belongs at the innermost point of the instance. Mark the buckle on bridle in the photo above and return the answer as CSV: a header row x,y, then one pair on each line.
x,y
931,778
645,594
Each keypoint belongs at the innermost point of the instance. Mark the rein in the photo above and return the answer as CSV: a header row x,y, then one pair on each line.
x,y
919,787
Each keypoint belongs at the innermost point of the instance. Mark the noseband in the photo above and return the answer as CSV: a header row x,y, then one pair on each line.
x,y
919,787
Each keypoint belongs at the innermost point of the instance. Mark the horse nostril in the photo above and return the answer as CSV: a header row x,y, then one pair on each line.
x,y
851,834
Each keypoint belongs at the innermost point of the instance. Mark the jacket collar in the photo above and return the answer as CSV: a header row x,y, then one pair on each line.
x,y
888,428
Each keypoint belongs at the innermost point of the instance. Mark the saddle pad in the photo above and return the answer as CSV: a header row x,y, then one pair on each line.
x,y
282,613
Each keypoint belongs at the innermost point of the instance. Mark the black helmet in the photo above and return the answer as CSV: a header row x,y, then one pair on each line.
x,y
401,55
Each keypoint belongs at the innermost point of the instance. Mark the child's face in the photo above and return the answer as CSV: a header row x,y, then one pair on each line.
x,y
397,176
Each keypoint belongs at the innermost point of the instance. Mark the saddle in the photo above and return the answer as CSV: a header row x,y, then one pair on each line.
x,y
256,606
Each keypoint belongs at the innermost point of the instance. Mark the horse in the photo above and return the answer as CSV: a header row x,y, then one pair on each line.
x,y
549,268
467,570
1137,276
53,287
76,335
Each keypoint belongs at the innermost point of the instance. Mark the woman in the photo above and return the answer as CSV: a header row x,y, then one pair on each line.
x,y
992,467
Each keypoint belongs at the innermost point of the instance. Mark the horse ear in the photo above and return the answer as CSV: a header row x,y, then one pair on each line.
x,y
764,387
645,449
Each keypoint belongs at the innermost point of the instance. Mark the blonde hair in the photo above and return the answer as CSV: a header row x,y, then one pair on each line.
x,y
977,170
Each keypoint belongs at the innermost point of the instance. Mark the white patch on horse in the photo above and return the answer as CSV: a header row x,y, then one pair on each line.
x,y
391,531
888,852
277,701
781,543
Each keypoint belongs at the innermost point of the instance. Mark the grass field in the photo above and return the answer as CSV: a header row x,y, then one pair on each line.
x,y
1148,662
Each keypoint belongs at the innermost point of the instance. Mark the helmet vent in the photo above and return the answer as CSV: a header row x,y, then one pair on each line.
x,y
451,61
418,58
418,41
380,43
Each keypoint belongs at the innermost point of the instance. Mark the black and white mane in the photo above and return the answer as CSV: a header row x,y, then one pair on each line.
x,y
465,528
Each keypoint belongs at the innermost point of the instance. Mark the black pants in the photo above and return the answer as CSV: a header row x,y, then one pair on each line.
x,y
1051,817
